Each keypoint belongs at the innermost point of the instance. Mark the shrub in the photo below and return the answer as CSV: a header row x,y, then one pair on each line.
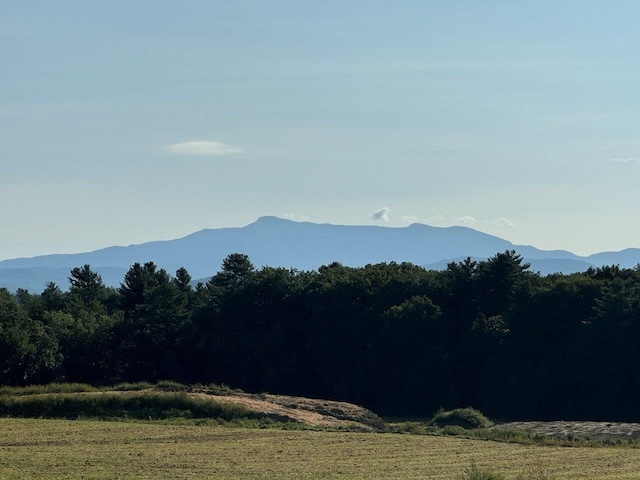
x,y
461,417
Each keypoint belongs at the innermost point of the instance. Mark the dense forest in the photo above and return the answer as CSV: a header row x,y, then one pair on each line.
x,y
396,338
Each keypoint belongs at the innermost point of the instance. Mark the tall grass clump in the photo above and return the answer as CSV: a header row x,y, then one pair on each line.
x,y
215,389
49,388
132,387
171,386
134,405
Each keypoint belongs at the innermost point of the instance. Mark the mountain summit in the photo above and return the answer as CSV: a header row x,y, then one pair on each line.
x,y
279,242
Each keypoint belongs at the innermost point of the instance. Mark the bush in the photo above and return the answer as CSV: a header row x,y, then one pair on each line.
x,y
462,417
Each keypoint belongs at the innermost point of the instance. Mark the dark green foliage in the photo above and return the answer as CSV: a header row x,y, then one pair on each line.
x,y
156,316
393,337
86,291
461,417
28,350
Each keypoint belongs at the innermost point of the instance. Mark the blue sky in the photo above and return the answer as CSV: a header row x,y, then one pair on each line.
x,y
125,122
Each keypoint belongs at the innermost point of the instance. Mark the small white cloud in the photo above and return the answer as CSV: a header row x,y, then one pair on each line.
x,y
202,148
467,220
504,222
382,214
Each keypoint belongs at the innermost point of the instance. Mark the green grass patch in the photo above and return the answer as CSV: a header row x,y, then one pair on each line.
x,y
46,389
136,405
132,387
54,449
75,388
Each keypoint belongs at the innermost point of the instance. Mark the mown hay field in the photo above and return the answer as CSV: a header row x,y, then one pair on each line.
x,y
48,449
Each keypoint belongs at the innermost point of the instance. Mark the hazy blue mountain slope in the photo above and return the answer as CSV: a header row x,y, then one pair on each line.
x,y
544,266
627,258
302,245
35,279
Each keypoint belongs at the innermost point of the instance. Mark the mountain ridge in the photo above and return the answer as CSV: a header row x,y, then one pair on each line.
x,y
279,242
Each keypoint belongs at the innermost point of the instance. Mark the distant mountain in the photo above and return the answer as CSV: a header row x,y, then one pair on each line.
x,y
627,258
306,246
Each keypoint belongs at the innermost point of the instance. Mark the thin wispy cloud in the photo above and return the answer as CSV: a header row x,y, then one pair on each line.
x,y
382,214
202,148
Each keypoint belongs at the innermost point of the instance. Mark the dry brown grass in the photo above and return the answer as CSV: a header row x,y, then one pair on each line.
x,y
313,412
54,449
593,430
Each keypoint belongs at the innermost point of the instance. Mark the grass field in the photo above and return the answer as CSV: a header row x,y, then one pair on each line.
x,y
48,449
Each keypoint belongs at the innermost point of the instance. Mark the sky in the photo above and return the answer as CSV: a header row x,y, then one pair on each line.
x,y
130,121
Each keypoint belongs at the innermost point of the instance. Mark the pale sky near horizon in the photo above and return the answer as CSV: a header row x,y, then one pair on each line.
x,y
125,122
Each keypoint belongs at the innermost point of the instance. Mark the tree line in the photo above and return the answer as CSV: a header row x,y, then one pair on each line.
x,y
394,337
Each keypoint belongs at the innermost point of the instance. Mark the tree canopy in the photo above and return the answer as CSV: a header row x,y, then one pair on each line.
x,y
394,337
